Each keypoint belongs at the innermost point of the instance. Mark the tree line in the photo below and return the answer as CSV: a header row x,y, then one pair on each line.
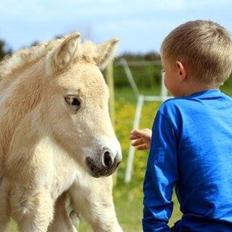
x,y
4,49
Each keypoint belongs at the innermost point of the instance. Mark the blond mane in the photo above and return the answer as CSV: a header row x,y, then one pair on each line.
x,y
26,56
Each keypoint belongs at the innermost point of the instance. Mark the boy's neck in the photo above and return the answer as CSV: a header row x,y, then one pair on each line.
x,y
193,87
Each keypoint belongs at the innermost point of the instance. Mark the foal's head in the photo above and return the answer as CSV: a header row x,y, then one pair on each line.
x,y
75,104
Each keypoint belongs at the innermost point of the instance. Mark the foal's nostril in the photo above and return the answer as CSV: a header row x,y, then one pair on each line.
x,y
107,161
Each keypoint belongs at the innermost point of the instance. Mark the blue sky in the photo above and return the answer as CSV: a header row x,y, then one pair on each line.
x,y
140,25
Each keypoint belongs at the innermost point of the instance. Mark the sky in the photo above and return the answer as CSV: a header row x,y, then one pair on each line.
x,y
141,25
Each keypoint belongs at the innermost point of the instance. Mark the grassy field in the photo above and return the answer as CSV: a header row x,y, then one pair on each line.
x,y
128,197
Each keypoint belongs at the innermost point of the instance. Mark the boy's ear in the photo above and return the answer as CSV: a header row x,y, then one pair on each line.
x,y
181,70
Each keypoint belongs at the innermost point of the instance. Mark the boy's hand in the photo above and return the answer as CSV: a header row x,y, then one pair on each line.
x,y
141,138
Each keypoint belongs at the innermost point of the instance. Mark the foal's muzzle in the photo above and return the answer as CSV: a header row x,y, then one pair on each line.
x,y
104,164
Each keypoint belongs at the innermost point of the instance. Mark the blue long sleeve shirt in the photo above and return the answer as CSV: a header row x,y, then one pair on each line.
x,y
191,150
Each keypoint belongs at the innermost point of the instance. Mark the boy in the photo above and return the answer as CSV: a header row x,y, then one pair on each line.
x,y
191,142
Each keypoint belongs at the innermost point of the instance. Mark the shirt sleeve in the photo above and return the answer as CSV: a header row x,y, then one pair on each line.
x,y
160,177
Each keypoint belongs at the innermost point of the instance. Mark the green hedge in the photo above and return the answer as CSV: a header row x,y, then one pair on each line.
x,y
147,76
144,76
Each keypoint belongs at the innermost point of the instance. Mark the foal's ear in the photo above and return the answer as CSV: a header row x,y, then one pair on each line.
x,y
63,55
105,52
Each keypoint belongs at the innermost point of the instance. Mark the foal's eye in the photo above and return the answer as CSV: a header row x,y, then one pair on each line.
x,y
73,101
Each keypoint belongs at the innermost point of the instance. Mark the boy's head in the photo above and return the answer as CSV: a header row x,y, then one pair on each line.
x,y
204,48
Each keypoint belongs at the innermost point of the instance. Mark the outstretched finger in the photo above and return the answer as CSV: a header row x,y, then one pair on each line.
x,y
137,142
142,132
134,136
142,147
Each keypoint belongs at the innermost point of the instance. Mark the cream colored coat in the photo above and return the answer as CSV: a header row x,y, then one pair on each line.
x,y
56,137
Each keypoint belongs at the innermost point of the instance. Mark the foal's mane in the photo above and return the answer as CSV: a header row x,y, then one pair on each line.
x,y
29,56
25,56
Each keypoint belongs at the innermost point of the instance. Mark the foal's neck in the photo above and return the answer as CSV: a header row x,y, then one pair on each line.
x,y
18,99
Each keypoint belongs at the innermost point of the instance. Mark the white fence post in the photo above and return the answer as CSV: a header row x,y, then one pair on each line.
x,y
140,102
130,159
163,91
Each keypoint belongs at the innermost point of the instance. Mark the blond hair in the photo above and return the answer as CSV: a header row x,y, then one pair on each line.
x,y
205,47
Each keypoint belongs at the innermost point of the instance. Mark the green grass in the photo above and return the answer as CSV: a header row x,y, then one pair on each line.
x,y
13,227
